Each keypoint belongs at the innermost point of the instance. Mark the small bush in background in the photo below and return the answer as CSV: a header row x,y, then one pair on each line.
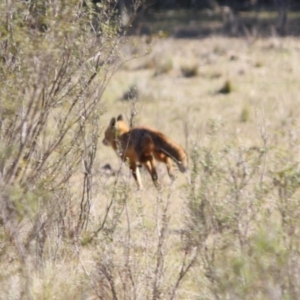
x,y
226,88
245,115
189,70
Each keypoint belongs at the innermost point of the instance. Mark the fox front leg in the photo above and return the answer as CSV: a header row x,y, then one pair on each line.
x,y
136,174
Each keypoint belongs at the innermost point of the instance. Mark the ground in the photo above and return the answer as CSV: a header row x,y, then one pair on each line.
x,y
242,95
232,102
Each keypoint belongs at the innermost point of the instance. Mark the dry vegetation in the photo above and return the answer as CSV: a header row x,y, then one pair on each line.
x,y
240,213
71,229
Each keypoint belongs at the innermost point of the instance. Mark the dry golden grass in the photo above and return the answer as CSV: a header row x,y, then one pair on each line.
x,y
265,97
72,229
150,236
173,100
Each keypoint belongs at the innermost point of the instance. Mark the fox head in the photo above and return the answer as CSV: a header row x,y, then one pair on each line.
x,y
115,128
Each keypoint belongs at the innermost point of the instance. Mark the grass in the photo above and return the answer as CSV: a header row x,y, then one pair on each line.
x,y
222,126
231,234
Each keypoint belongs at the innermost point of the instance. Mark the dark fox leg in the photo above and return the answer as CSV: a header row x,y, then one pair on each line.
x,y
150,166
146,158
136,174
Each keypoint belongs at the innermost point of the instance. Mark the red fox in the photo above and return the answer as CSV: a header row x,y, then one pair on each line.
x,y
144,145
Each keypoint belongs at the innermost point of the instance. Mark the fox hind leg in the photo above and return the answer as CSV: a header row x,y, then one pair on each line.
x,y
168,161
150,166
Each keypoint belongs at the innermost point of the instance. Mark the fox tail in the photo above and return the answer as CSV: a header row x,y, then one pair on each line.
x,y
177,154
172,150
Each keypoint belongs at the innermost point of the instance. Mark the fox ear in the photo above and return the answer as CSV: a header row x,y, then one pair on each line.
x,y
120,118
112,122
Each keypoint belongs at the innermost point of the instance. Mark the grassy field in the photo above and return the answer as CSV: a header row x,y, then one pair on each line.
x,y
237,116
75,230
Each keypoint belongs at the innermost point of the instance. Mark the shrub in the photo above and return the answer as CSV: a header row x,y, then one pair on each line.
x,y
189,70
226,88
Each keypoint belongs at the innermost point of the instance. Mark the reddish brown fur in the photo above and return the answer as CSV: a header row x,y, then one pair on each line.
x,y
144,145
